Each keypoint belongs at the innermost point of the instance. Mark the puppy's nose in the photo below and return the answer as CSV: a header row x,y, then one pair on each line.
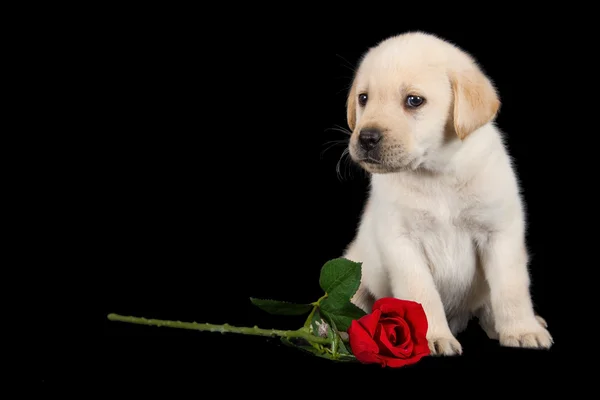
x,y
368,138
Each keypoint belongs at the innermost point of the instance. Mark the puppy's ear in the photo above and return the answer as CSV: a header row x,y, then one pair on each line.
x,y
476,101
351,107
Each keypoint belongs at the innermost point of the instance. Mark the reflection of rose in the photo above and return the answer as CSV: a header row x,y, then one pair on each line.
x,y
393,334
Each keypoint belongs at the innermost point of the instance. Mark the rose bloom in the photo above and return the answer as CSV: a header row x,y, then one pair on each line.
x,y
393,334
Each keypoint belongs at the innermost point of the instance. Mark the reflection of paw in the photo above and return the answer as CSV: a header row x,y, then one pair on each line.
x,y
444,346
531,335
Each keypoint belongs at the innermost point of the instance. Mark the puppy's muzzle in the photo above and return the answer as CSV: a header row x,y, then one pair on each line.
x,y
369,139
369,145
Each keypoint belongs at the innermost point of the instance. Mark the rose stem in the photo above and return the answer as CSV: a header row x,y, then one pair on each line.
x,y
226,328
315,305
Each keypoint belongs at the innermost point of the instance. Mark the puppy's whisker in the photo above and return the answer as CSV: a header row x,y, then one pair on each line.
x,y
341,127
347,163
364,172
338,128
348,63
333,143
351,166
345,89
344,141
338,165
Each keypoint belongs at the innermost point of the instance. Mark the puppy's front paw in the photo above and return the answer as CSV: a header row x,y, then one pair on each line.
x,y
542,321
444,346
530,336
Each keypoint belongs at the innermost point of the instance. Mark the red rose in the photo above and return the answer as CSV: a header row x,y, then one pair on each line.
x,y
393,335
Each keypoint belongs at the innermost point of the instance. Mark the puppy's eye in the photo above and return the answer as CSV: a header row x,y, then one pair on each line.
x,y
362,99
414,101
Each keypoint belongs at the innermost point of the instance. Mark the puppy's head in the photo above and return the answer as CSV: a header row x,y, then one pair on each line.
x,y
414,98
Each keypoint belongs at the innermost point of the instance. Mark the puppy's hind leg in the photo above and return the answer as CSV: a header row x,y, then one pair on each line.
x,y
486,321
458,323
363,299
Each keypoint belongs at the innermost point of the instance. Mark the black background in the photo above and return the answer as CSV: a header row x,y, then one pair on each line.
x,y
218,186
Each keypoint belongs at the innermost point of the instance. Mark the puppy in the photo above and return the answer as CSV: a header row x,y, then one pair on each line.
x,y
444,224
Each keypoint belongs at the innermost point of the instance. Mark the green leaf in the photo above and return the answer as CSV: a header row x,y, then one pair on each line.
x,y
317,322
332,333
340,347
305,347
343,350
341,315
340,279
277,307
335,338
318,353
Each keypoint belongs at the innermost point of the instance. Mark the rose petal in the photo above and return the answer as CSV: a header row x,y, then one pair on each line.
x,y
384,360
390,306
385,347
366,357
390,323
390,332
369,322
388,349
417,319
394,334
411,311
404,350
362,344
404,334
399,362
421,346
360,338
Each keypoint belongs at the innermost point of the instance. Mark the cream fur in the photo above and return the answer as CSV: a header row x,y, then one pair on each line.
x,y
444,224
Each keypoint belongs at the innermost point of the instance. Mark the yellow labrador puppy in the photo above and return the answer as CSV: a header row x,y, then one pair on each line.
x,y
444,224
